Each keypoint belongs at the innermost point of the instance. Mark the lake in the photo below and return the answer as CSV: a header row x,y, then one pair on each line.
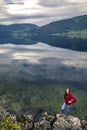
x,y
34,77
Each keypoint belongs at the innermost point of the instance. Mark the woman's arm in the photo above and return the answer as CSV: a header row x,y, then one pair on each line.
x,y
73,99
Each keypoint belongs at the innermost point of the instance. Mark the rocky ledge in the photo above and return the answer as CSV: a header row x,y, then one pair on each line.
x,y
46,122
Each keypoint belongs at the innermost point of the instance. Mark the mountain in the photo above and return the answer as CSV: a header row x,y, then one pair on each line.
x,y
15,30
16,33
17,27
57,28
69,33
73,24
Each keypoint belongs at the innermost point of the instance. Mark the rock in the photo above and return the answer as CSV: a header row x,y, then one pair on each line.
x,y
4,113
43,125
45,122
67,123
13,118
84,124
47,117
27,121
23,122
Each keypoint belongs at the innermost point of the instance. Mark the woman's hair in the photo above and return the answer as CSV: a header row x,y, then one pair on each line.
x,y
65,94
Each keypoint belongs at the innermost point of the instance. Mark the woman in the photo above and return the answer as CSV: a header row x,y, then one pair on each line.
x,y
69,99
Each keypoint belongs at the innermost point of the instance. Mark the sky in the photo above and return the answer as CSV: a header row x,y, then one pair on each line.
x,y
40,12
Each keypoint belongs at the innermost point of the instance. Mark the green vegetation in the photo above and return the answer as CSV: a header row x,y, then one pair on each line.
x,y
68,33
63,26
20,34
22,96
7,124
16,31
30,97
79,34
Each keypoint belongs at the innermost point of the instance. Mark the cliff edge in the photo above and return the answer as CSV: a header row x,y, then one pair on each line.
x,y
46,122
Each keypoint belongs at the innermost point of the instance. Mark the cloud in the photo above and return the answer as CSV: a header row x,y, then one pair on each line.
x,y
13,2
20,17
77,1
59,3
40,52
40,12
52,3
23,19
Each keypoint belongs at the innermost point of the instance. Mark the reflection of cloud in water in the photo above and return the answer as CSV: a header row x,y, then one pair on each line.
x,y
3,51
35,53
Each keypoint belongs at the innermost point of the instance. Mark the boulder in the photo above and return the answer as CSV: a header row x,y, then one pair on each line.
x,y
27,122
45,122
66,123
84,124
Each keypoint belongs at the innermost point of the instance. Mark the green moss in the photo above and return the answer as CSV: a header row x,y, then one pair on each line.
x,y
7,124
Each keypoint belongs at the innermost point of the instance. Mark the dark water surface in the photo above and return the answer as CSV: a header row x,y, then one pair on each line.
x,y
33,77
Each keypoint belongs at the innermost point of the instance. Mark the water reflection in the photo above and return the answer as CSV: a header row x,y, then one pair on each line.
x,y
36,54
42,61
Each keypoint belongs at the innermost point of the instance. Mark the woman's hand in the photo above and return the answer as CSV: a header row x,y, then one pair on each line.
x,y
70,101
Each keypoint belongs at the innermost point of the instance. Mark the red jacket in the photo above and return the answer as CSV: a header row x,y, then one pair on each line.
x,y
70,97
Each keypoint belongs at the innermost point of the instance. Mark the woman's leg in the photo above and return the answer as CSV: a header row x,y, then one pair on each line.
x,y
63,108
68,109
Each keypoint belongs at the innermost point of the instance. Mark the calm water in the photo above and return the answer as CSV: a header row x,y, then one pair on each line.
x,y
22,65
54,62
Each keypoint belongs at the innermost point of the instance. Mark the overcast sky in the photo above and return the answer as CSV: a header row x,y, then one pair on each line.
x,y
40,12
